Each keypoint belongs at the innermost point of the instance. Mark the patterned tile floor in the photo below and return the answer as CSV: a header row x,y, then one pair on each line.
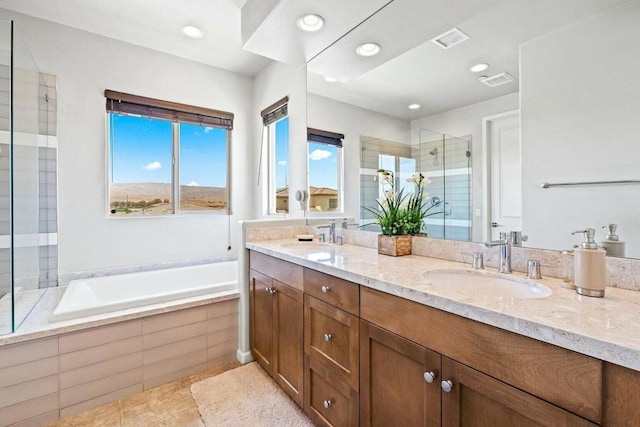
x,y
167,405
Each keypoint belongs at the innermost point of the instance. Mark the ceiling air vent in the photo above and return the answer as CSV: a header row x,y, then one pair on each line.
x,y
451,38
497,80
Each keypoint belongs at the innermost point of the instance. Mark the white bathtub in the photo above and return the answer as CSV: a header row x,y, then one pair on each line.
x,y
100,295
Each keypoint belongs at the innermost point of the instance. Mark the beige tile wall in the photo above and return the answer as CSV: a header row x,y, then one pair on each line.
x,y
45,379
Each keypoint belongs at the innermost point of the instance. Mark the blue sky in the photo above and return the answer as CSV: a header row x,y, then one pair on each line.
x,y
323,160
141,151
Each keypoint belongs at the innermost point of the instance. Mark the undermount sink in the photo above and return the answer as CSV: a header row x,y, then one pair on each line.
x,y
487,284
307,246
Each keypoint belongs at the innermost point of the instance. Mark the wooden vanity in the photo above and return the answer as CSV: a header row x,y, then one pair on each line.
x,y
351,355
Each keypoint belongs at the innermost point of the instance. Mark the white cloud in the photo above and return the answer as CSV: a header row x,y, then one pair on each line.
x,y
193,184
282,163
153,166
208,129
319,154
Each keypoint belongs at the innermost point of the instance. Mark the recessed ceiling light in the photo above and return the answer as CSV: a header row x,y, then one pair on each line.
x,y
414,106
368,49
330,79
193,32
479,67
310,22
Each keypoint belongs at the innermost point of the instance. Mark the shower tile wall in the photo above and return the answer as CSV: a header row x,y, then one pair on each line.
x,y
45,171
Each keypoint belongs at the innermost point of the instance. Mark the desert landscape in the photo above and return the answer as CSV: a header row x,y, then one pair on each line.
x,y
151,198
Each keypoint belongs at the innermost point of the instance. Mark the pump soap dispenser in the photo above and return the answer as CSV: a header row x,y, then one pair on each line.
x,y
590,266
612,243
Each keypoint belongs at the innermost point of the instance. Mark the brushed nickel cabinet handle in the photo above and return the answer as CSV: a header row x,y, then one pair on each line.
x,y
325,289
327,404
328,337
447,386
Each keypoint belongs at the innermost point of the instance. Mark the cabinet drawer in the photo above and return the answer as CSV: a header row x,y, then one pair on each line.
x,y
570,380
332,290
283,271
328,401
331,338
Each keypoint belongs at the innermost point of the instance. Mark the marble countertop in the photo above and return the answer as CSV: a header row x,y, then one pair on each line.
x,y
605,328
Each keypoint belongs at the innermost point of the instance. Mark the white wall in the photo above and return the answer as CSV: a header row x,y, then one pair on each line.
x,y
464,121
86,64
275,82
353,122
580,101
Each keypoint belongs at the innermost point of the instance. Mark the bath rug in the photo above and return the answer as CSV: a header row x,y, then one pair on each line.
x,y
246,396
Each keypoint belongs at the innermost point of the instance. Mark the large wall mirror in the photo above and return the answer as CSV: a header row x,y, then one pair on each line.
x,y
557,104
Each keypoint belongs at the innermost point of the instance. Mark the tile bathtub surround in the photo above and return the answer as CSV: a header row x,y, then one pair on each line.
x,y
70,373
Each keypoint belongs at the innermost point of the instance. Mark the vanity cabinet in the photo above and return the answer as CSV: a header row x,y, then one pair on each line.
x,y
276,318
351,355
492,368
331,345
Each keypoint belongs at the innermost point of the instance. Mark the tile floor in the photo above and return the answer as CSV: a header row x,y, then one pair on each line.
x,y
167,405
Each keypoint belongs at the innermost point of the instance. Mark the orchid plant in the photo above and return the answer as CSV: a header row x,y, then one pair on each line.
x,y
400,213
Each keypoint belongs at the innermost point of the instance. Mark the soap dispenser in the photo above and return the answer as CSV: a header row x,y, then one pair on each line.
x,y
612,243
590,266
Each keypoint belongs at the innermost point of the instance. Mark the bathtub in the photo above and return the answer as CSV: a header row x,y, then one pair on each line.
x,y
87,297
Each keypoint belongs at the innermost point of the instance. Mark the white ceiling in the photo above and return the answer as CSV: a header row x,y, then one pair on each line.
x,y
411,69
156,24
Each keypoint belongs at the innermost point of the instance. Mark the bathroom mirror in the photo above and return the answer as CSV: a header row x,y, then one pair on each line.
x,y
561,85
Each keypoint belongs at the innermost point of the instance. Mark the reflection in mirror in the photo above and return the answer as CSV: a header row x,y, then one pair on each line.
x,y
444,161
567,116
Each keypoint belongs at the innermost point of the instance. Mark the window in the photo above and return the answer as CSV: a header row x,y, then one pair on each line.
x,y
325,170
276,128
160,152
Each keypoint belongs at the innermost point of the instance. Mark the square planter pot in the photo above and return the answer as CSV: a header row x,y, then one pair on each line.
x,y
394,245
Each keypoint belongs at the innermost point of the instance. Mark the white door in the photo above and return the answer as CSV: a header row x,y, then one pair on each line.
x,y
505,175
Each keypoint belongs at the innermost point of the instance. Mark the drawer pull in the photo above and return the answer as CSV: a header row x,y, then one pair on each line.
x,y
327,404
325,289
447,386
271,290
328,337
429,376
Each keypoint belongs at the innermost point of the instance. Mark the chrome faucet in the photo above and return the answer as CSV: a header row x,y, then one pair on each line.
x,y
332,230
504,264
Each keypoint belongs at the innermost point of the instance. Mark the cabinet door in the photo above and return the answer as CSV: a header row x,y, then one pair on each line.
x,y
261,312
394,390
328,400
288,340
476,399
621,396
331,338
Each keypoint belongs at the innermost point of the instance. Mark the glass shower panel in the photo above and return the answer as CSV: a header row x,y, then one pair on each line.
x,y
28,116
6,301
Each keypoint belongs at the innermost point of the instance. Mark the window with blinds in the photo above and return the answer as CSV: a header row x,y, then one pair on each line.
x,y
325,166
161,152
276,134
